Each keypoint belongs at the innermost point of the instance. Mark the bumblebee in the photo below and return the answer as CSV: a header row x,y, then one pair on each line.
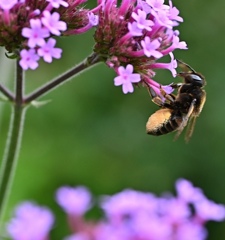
x,y
181,110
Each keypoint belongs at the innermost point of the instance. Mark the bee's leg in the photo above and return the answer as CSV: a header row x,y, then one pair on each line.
x,y
157,100
176,85
169,97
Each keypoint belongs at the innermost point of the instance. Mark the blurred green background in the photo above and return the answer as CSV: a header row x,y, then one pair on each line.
x,y
92,134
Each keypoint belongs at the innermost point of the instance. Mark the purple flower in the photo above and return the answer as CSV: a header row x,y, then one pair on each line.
x,y
127,215
29,59
126,78
162,19
93,19
157,5
7,4
128,203
48,51
173,210
169,66
134,29
52,23
207,210
36,33
173,13
58,3
137,33
31,222
190,231
77,237
148,226
74,201
141,20
187,192
150,47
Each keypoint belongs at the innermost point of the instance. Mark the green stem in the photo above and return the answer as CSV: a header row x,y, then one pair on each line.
x,y
6,92
89,62
9,162
10,158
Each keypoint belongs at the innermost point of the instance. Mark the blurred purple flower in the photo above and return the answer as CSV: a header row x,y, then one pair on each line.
x,y
31,222
128,215
58,3
7,4
74,201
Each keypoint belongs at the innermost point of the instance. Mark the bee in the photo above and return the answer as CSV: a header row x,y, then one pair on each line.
x,y
181,110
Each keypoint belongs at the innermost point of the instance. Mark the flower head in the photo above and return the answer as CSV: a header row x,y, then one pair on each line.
x,y
28,25
31,222
137,33
127,215
74,201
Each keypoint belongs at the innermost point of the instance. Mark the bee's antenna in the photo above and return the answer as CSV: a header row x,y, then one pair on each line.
x,y
183,65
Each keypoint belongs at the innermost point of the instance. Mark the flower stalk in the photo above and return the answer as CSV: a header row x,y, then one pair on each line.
x,y
13,142
17,121
10,158
90,61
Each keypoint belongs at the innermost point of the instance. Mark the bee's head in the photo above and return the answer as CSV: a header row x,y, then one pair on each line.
x,y
192,77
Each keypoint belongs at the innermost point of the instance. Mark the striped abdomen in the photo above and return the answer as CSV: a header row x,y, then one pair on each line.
x,y
162,122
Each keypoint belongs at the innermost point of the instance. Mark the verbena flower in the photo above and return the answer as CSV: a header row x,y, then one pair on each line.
x,y
31,222
127,215
138,33
28,27
74,201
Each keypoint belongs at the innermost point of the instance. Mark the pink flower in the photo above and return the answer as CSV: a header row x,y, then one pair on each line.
x,y
126,78
93,19
134,29
137,33
35,34
47,51
157,5
58,3
31,222
29,59
7,4
141,20
52,23
150,47
74,201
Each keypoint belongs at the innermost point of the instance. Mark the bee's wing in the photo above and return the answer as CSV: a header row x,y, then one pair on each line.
x,y
192,120
181,128
186,119
190,128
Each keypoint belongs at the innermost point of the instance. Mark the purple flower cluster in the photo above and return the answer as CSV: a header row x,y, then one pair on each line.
x,y
129,215
134,36
28,27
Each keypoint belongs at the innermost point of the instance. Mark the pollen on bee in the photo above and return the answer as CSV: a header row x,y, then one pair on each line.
x,y
157,120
